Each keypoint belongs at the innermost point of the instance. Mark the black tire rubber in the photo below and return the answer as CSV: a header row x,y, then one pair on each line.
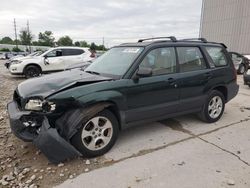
x,y
77,141
32,71
241,69
204,115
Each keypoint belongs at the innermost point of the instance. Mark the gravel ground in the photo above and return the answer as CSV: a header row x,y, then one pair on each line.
x,y
21,163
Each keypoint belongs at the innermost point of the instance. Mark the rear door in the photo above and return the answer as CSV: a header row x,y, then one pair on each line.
x,y
194,76
72,56
158,95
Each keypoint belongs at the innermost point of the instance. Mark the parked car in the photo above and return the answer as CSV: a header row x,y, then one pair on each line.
x,y
21,57
80,113
247,56
241,63
2,55
246,78
53,60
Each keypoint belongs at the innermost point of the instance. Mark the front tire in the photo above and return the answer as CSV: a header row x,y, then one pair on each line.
x,y
32,71
98,135
213,107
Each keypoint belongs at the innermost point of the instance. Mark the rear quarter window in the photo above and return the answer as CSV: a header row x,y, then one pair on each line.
x,y
217,55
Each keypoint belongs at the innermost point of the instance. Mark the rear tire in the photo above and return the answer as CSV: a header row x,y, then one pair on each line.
x,y
97,135
32,71
213,108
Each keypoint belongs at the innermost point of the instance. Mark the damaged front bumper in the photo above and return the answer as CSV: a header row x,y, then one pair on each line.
x,y
36,129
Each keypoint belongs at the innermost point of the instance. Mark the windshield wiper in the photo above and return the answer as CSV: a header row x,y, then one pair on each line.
x,y
93,72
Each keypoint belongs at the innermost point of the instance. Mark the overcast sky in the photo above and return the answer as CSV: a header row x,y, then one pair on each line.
x,y
116,21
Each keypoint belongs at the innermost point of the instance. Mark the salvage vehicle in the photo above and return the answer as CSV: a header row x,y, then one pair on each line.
x,y
17,58
2,55
53,60
80,112
241,63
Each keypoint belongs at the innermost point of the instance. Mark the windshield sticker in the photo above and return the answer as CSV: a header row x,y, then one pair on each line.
x,y
131,50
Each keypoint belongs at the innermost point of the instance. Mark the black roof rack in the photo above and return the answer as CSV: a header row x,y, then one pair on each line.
x,y
195,39
172,38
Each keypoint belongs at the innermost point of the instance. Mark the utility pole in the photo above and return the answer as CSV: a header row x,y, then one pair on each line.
x,y
28,32
15,32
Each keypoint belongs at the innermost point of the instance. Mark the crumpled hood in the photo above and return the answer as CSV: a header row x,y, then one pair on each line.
x,y
49,84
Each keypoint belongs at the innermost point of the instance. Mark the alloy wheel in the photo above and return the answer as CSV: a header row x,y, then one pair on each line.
x,y
97,133
215,107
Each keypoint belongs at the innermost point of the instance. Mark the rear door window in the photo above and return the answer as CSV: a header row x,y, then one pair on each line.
x,y
217,55
190,59
69,52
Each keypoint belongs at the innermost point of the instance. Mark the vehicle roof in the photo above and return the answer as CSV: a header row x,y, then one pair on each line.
x,y
71,47
169,42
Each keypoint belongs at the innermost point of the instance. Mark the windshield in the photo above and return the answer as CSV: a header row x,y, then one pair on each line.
x,y
116,61
37,53
44,53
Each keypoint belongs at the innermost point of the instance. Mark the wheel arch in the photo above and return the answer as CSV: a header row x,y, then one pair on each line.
x,y
70,121
223,90
31,64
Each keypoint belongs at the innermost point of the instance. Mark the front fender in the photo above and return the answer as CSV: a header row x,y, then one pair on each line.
x,y
104,96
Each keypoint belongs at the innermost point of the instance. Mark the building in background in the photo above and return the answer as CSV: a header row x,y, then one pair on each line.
x,y
227,21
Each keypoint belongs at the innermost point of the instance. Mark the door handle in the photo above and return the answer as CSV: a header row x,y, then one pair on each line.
x,y
172,82
208,75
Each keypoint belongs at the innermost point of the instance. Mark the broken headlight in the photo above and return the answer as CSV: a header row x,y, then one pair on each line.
x,y
39,105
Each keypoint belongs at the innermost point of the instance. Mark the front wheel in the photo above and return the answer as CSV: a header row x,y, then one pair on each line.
x,y
98,135
32,71
213,107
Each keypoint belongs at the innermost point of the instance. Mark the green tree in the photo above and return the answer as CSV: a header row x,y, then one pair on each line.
x,y
46,38
77,43
4,50
101,47
16,49
84,44
6,40
25,37
65,41
93,46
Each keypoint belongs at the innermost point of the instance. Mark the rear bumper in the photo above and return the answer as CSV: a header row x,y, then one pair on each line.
x,y
233,89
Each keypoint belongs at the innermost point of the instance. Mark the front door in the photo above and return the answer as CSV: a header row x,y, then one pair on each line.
x,y
54,61
157,95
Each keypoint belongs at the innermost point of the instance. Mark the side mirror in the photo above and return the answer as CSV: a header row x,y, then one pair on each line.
x,y
144,72
46,60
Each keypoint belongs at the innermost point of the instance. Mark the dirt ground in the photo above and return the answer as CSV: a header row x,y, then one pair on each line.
x,y
20,161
